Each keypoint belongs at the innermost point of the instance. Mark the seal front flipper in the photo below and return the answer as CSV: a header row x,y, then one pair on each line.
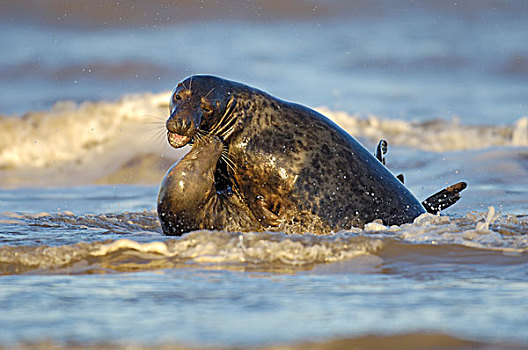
x,y
444,199
266,216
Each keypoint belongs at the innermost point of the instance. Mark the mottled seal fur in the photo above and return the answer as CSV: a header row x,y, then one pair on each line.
x,y
260,163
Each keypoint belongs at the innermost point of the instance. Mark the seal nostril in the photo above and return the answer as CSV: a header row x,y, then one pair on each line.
x,y
181,124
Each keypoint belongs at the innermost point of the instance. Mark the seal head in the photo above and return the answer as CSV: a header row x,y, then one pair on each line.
x,y
194,111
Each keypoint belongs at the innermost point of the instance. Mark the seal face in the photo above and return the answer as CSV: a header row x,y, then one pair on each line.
x,y
193,110
277,166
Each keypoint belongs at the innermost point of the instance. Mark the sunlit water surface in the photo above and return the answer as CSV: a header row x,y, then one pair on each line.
x,y
88,264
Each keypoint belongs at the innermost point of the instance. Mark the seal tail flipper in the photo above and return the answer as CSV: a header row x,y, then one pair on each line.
x,y
381,150
444,199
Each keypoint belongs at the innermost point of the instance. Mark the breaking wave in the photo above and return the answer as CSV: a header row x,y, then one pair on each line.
x,y
96,140
137,244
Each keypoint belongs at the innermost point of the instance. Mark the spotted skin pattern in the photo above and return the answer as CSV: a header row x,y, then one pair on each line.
x,y
292,169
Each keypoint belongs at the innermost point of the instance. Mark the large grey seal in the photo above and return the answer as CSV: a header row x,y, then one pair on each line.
x,y
260,163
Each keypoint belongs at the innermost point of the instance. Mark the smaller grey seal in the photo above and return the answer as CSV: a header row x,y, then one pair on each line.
x,y
190,197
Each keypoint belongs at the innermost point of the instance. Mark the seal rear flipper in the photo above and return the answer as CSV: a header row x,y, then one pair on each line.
x,y
444,199
381,150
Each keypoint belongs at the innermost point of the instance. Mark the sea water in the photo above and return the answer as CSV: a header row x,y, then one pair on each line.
x,y
85,91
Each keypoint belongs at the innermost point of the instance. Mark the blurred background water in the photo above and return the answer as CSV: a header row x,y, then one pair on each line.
x,y
404,59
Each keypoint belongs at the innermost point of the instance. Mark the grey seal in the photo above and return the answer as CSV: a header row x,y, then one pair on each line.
x,y
260,163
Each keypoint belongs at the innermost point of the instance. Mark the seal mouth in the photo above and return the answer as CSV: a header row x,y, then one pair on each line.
x,y
177,140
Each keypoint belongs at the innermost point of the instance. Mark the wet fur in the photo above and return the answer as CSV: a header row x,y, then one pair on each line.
x,y
282,167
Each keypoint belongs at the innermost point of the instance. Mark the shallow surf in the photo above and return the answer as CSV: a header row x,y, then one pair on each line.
x,y
90,256
90,275
83,262
138,235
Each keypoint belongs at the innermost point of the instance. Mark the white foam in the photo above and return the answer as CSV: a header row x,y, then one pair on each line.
x,y
75,133
482,230
255,248
436,135
153,247
487,231
520,132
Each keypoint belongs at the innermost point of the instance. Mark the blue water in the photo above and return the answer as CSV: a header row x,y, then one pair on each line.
x,y
133,297
207,307
396,59
80,200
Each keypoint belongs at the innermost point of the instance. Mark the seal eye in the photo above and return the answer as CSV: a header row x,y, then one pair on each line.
x,y
177,97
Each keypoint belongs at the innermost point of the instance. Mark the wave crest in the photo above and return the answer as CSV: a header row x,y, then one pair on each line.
x,y
73,133
201,247
436,135
136,248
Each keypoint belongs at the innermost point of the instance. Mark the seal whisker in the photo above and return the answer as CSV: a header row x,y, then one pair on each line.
x,y
153,116
160,122
229,109
156,129
226,158
207,94
161,141
227,133
220,121
183,84
224,124
200,134
229,165
156,136
227,129
153,119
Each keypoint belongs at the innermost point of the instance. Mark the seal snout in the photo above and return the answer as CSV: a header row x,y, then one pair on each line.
x,y
180,129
